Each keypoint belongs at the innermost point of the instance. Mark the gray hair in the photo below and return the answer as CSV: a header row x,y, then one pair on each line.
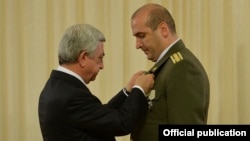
x,y
78,38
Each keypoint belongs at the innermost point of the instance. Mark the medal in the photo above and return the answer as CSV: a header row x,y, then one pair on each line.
x,y
150,99
150,104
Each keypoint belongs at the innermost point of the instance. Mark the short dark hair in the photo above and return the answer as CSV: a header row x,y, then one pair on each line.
x,y
156,15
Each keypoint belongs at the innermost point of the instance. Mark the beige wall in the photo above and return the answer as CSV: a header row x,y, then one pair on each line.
x,y
217,31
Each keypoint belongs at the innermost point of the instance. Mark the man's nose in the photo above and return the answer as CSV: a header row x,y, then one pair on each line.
x,y
138,43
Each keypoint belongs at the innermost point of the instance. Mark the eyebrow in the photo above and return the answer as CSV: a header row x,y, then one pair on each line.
x,y
138,34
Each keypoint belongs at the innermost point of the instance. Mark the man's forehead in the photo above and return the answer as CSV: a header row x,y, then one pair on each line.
x,y
139,27
139,19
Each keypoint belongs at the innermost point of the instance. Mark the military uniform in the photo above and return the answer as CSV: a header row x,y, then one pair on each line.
x,y
180,95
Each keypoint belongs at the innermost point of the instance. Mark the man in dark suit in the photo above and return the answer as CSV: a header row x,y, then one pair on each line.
x,y
181,90
67,109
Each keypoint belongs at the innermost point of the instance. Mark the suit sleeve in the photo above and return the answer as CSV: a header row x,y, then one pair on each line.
x,y
90,115
117,100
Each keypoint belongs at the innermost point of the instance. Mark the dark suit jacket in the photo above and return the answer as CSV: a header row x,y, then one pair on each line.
x,y
69,112
181,93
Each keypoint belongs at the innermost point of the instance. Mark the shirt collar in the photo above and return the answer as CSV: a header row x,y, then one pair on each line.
x,y
167,49
65,70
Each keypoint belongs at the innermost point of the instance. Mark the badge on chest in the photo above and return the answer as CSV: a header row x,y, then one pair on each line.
x,y
151,97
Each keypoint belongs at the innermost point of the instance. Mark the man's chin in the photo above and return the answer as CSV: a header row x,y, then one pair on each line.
x,y
93,78
149,58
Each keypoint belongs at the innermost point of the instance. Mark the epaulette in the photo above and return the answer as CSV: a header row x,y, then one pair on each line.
x,y
176,57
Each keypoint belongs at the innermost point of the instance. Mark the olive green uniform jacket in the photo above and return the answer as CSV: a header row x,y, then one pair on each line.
x,y
180,95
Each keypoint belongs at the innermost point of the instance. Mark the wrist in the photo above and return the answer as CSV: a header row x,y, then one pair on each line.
x,y
126,91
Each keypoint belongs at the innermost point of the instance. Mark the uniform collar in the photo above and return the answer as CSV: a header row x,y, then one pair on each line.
x,y
167,49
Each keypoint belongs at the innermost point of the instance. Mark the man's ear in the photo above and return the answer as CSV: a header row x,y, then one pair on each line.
x,y
164,29
82,58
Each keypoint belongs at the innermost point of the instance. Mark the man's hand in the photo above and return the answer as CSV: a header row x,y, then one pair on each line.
x,y
145,81
131,83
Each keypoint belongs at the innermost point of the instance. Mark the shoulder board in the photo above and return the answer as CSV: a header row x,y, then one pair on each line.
x,y
176,57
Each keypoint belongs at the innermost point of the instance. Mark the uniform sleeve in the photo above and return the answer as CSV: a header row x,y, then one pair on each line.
x,y
187,99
